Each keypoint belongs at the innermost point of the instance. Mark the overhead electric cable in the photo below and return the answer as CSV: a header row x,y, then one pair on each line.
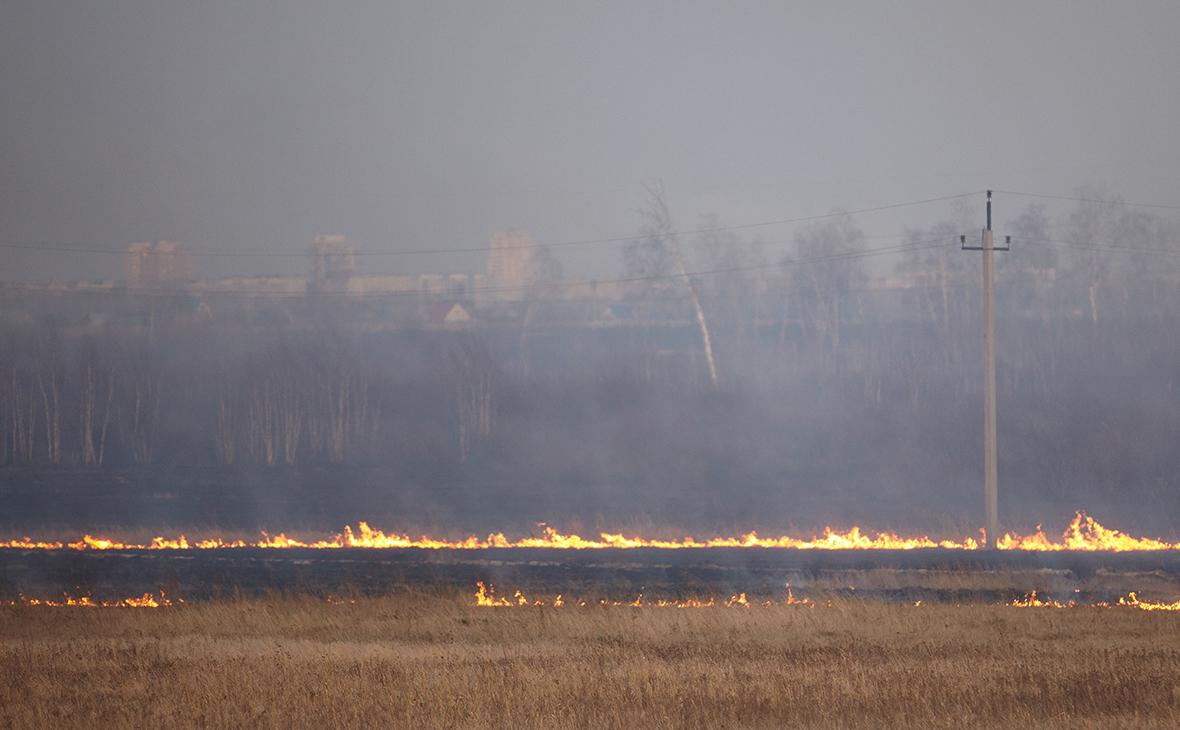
x,y
1165,206
1102,247
483,249
786,263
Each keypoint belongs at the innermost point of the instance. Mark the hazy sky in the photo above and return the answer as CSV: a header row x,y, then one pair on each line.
x,y
427,125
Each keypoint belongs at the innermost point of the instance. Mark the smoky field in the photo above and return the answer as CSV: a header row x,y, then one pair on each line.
x,y
434,659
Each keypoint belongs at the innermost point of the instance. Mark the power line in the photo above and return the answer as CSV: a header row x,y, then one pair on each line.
x,y
1091,200
865,253
483,249
785,263
1098,246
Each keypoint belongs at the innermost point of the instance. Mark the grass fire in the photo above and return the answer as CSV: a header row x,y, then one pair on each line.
x,y
1083,533
614,365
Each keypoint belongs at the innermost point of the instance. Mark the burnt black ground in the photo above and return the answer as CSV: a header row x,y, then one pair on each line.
x,y
617,574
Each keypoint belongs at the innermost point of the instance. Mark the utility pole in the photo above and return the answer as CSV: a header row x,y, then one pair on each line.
x,y
990,461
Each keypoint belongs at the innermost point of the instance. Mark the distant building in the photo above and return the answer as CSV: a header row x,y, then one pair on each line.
x,y
281,285
158,264
510,263
383,284
333,261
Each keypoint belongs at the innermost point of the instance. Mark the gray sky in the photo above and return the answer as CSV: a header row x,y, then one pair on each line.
x,y
428,125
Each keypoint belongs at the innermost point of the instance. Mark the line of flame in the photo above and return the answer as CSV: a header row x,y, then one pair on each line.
x,y
147,600
1083,533
1130,600
485,595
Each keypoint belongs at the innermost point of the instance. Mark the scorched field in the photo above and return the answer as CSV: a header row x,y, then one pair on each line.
x,y
843,629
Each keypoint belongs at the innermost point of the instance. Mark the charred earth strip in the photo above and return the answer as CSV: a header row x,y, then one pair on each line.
x,y
934,575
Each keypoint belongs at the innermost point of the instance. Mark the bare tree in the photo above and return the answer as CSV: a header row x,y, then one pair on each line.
x,y
938,271
225,438
22,415
661,236
1091,227
826,275
471,372
50,382
96,393
142,393
737,284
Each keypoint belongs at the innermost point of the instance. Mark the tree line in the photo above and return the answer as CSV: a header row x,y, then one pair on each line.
x,y
821,379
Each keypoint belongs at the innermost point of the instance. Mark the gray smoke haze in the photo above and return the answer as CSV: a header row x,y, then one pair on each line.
x,y
433,125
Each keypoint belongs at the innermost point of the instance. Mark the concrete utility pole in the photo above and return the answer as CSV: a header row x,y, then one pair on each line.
x,y
990,461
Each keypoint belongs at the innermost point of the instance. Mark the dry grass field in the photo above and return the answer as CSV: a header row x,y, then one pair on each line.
x,y
437,661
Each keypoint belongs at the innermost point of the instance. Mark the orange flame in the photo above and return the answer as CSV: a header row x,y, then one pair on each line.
x,y
738,600
792,601
1032,601
147,600
485,595
1129,601
1132,600
1084,533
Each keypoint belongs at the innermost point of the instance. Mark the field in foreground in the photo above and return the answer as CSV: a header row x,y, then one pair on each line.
x,y
437,661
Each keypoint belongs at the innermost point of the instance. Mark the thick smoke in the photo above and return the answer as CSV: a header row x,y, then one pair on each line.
x,y
848,391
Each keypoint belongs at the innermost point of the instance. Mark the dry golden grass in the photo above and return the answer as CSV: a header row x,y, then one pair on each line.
x,y
429,661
